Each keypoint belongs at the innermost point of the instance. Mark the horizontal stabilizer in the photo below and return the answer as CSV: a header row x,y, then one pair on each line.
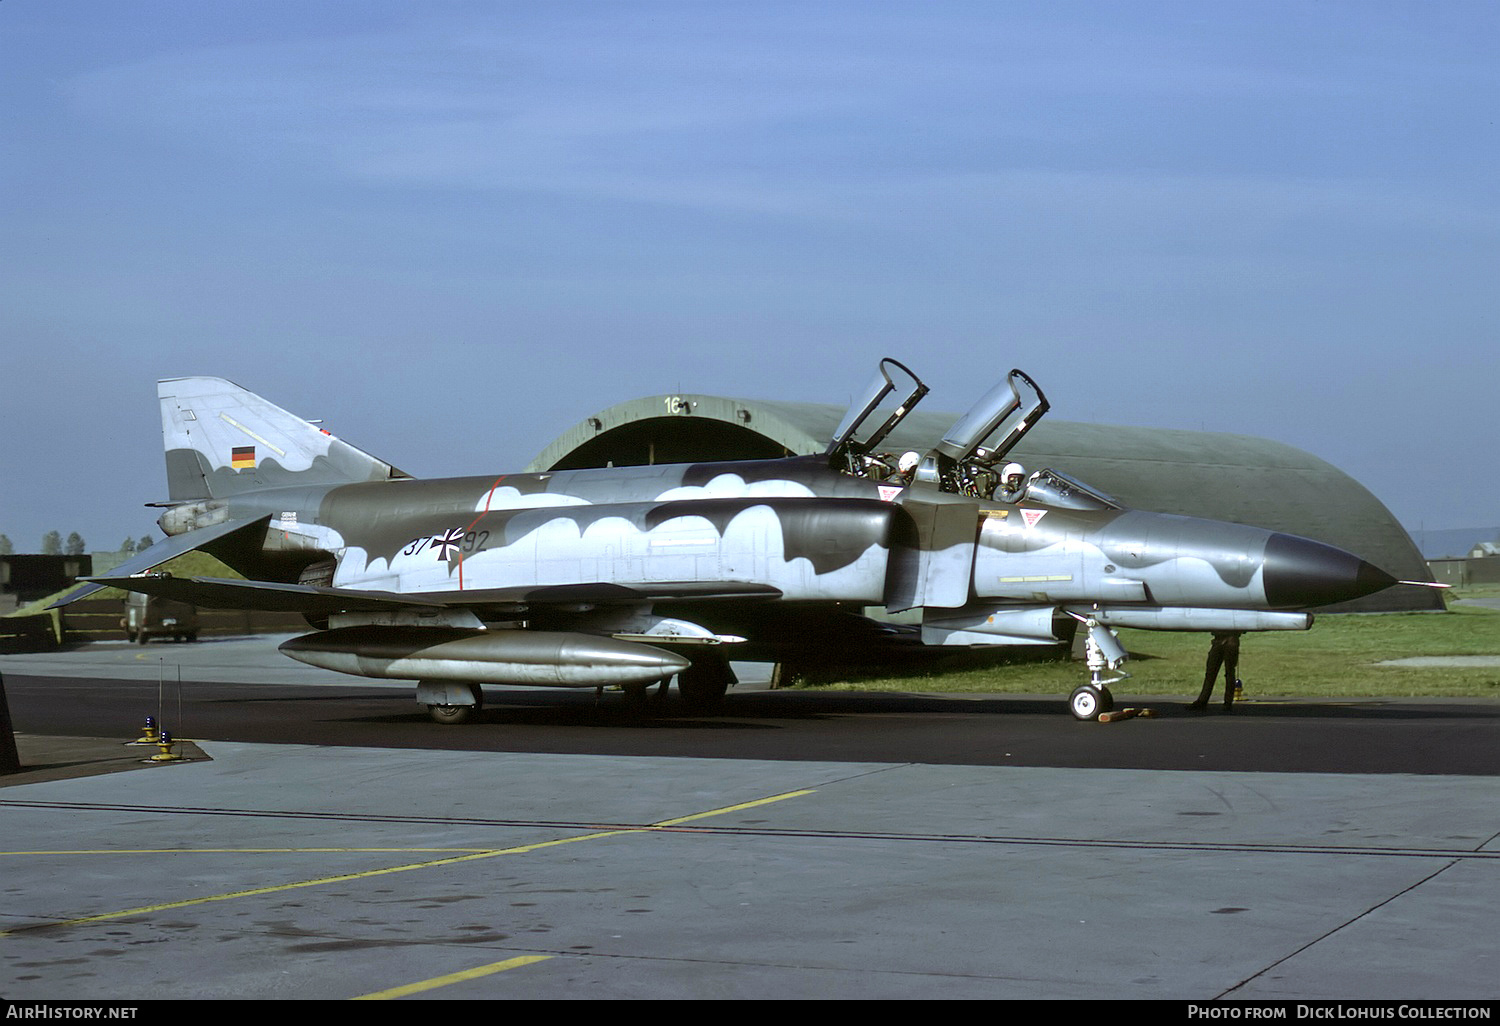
x,y
269,596
158,554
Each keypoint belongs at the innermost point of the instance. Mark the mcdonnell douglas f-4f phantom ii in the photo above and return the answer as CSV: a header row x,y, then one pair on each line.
x,y
630,576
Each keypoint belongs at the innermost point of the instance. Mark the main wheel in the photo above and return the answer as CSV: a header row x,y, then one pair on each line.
x,y
452,714
1088,701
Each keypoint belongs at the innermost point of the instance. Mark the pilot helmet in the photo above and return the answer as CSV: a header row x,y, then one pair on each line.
x,y
908,462
1013,475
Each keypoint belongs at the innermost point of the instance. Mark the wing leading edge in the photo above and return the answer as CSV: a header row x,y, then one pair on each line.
x,y
272,596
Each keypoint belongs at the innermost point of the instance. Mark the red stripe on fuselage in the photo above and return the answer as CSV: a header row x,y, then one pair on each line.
x,y
489,498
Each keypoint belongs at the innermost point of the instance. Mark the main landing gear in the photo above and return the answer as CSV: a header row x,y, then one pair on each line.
x,y
450,702
452,715
700,688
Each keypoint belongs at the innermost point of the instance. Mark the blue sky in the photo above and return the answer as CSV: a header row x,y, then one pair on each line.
x,y
452,230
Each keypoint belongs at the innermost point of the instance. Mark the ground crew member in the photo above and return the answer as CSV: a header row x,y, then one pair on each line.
x,y
1223,651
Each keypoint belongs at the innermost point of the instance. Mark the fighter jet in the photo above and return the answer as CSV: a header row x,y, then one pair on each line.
x,y
633,576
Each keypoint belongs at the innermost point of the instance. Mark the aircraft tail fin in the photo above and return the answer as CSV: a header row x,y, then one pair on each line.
x,y
221,440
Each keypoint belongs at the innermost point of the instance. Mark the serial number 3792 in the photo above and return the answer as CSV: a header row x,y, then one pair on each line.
x,y
449,543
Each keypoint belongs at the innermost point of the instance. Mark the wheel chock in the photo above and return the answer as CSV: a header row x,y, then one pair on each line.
x,y
1116,715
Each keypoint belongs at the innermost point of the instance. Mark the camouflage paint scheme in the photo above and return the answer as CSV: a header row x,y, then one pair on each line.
x,y
633,575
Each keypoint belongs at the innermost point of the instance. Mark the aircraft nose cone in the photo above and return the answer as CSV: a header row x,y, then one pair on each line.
x,y
1300,573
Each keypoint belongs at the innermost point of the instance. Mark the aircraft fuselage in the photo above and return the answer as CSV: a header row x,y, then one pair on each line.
x,y
628,575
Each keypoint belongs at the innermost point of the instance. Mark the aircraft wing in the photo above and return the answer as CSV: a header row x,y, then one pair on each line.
x,y
156,555
220,593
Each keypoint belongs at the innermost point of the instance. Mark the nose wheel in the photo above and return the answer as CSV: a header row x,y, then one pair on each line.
x,y
1105,654
1089,700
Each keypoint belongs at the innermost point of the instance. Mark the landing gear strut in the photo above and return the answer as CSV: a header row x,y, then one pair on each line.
x,y
1105,654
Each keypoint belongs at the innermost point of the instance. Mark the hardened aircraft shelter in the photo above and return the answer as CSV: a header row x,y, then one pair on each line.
x,y
1237,478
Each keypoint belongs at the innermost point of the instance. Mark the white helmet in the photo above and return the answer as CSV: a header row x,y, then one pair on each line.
x,y
908,462
1013,475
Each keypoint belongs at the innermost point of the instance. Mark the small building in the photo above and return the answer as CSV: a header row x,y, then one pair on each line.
x,y
1480,566
26,578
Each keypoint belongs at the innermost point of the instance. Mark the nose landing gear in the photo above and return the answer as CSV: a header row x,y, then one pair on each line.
x,y
1105,654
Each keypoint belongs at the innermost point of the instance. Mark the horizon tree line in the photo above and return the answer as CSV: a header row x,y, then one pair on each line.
x,y
53,544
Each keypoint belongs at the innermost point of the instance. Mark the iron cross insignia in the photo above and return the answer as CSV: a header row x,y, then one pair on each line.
x,y
447,544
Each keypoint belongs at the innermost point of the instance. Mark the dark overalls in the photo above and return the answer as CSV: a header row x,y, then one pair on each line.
x,y
1223,651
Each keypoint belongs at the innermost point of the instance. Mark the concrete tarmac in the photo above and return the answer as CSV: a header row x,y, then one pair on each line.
x,y
302,871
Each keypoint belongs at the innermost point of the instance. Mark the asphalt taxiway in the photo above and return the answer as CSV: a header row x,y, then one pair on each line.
x,y
558,851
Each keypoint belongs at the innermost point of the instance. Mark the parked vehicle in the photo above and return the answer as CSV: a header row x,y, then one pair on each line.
x,y
147,616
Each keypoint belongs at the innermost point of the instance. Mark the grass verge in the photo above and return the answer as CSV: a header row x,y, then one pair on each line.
x,y
1341,656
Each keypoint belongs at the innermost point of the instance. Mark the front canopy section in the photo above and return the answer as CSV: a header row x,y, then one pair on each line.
x,y
887,400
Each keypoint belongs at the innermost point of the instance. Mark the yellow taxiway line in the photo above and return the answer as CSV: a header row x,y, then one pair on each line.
x,y
471,855
451,978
